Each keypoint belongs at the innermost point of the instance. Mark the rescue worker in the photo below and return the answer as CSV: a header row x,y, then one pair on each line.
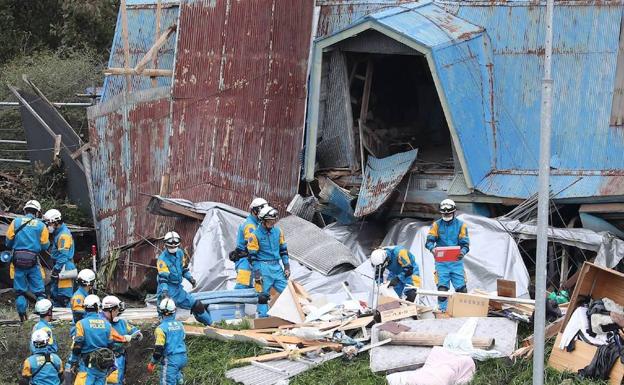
x,y
172,268
112,307
267,248
85,280
44,308
240,256
43,367
62,252
449,231
27,237
92,357
169,349
402,269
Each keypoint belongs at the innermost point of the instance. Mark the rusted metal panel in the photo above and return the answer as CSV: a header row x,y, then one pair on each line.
x,y
380,179
239,98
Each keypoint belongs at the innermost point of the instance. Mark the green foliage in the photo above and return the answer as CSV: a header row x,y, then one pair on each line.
x,y
89,24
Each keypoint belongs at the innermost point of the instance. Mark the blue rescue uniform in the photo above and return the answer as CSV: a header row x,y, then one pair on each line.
x,y
170,340
43,368
122,327
171,271
77,304
92,333
63,255
402,265
267,248
451,233
32,239
45,325
243,265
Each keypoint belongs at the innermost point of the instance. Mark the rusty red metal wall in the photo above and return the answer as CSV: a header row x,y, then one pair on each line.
x,y
239,100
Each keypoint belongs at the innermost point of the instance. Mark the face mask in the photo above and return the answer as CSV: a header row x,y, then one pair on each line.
x,y
51,229
172,250
447,217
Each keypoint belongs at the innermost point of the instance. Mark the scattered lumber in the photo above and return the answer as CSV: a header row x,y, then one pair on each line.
x,y
426,339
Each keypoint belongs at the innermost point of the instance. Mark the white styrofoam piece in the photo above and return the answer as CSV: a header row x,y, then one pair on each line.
x,y
286,308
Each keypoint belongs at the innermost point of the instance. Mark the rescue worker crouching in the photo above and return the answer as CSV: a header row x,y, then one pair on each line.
x,y
112,307
172,269
267,248
240,256
43,367
449,231
27,236
170,348
44,309
62,252
402,269
92,356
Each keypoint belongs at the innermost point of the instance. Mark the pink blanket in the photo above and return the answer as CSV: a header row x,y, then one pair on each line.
x,y
442,367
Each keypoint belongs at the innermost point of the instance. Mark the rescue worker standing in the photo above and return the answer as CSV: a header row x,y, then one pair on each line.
x,y
62,252
85,280
172,268
402,269
112,307
240,256
169,349
267,248
27,237
43,367
449,231
92,356
44,308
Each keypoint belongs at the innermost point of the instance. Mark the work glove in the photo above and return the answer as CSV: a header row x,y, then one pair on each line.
x,y
287,271
151,367
193,281
394,282
55,275
138,336
127,337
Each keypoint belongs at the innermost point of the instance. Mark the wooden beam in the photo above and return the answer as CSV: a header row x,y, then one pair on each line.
x,y
276,356
131,71
181,210
153,51
156,33
79,151
126,43
427,339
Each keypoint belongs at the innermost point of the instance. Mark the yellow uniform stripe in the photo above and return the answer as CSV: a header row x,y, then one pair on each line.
x,y
45,236
404,259
26,369
64,242
79,330
10,234
162,267
462,231
252,243
433,230
160,337
248,230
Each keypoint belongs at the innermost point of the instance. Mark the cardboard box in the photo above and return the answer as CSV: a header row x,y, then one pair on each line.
x,y
466,305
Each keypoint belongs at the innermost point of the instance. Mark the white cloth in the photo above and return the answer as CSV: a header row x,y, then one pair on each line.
x,y
579,322
442,367
461,342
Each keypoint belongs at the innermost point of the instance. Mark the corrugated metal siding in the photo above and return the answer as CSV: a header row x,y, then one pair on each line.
x,y
336,15
141,31
129,137
239,96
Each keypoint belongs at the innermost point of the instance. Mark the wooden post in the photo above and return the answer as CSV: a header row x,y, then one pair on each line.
x,y
150,72
152,53
57,147
124,34
156,33
368,82
425,339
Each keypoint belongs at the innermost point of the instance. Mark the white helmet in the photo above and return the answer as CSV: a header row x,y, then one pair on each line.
x,y
257,204
167,306
52,216
268,213
111,302
92,302
447,206
40,338
33,204
172,239
43,307
378,257
86,277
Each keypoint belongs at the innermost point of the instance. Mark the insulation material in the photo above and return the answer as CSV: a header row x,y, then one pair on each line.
x,y
442,367
391,357
285,307
315,249
275,371
381,177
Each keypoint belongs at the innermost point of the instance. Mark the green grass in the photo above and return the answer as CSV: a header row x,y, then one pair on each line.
x,y
210,359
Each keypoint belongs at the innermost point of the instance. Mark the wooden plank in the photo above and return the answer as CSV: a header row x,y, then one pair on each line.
x,y
153,51
401,313
268,322
579,358
130,71
506,288
357,323
428,339
57,147
181,210
291,287
301,291
156,33
276,356
126,43
79,151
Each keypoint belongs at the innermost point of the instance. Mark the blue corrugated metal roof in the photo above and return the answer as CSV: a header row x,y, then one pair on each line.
x,y
380,179
141,31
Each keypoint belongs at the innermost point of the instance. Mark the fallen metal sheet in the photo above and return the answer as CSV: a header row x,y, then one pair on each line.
x,y
595,223
303,207
337,201
382,176
276,371
309,245
397,358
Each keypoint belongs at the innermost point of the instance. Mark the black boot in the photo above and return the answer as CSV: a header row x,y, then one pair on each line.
x,y
23,317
